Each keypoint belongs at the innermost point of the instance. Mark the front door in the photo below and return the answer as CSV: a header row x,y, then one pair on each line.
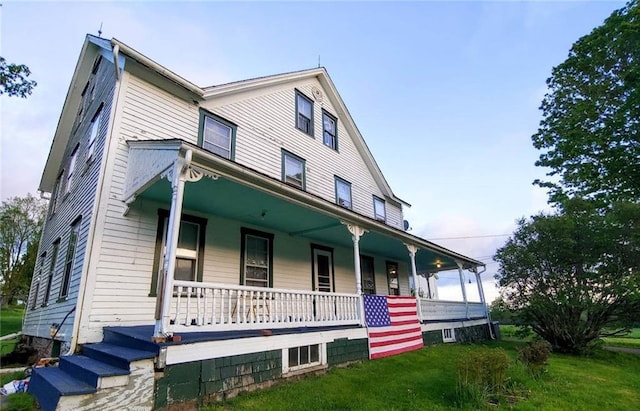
x,y
323,270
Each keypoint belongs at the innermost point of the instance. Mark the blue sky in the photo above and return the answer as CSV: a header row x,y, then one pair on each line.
x,y
446,94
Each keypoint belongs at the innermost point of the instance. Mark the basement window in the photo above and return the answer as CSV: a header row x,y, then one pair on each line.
x,y
448,335
304,356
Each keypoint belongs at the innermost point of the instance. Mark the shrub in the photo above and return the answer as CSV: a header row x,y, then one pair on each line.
x,y
534,356
481,374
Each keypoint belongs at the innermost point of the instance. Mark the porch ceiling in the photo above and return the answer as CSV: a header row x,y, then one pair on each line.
x,y
228,199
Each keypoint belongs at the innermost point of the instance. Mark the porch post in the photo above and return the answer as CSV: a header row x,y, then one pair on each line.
x,y
481,292
356,233
414,273
464,289
163,302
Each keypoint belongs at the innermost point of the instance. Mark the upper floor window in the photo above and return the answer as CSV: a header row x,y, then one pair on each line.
x,y
52,270
257,258
304,113
217,135
70,258
293,170
379,209
343,193
55,197
329,130
93,132
72,168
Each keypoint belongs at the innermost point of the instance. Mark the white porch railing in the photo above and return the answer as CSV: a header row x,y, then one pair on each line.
x,y
439,310
197,306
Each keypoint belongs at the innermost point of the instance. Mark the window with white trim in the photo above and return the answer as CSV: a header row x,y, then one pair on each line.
x,y
293,170
70,258
448,335
304,113
93,132
329,130
343,193
304,356
217,135
71,170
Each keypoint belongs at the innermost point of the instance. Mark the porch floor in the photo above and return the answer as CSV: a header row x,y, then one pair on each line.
x,y
143,334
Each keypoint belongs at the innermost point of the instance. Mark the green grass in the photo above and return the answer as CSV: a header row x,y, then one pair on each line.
x,y
426,380
631,340
10,322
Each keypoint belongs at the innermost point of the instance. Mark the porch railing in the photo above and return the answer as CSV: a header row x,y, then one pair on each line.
x,y
440,310
197,306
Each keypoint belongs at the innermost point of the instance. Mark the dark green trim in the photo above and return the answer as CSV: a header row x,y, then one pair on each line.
x,y
342,180
313,266
202,223
335,137
286,153
375,216
373,271
269,236
234,128
389,264
298,93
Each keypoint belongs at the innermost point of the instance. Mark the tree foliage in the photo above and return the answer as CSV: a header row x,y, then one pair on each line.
x,y
572,276
14,81
590,132
21,220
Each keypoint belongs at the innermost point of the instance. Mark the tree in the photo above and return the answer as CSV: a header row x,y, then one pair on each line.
x,y
13,79
21,220
590,130
572,276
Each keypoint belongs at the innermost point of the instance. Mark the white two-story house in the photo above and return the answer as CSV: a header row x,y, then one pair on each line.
x,y
208,240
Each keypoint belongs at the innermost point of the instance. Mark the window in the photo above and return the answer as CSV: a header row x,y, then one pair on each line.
x,y
256,258
304,356
379,211
189,251
70,258
93,132
293,170
52,270
368,275
71,170
304,113
36,288
217,135
392,278
343,193
57,189
329,130
448,335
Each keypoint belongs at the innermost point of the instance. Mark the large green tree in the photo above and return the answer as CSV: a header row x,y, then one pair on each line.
x,y
590,132
21,220
574,276
13,79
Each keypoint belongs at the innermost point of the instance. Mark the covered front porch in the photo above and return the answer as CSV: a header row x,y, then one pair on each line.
x,y
182,177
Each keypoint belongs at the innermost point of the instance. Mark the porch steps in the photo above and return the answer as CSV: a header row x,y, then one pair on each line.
x,y
105,376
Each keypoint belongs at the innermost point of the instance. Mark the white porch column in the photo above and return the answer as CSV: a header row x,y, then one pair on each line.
x,y
464,289
163,303
481,292
356,233
414,273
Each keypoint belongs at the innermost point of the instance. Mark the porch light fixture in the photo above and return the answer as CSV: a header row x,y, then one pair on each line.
x,y
438,264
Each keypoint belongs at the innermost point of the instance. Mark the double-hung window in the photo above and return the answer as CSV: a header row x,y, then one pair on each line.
x,y
93,132
329,130
304,113
187,251
379,209
55,196
70,258
71,170
343,193
52,270
257,258
293,170
217,135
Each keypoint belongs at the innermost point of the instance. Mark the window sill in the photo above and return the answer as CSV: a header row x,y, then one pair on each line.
x,y
61,299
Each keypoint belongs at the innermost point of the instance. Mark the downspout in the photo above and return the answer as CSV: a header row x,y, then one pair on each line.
x,y
161,328
116,54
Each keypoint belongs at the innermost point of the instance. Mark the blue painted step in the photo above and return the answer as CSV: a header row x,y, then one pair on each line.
x,y
49,384
88,369
137,337
116,355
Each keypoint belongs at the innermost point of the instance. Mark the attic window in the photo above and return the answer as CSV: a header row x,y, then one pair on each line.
x,y
217,135
304,113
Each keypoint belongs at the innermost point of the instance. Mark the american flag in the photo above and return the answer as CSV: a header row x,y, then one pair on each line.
x,y
392,324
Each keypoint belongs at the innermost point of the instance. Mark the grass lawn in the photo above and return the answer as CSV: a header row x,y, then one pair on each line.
x,y
10,322
426,380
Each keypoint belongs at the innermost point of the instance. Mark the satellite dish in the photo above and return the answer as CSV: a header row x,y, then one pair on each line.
x,y
405,224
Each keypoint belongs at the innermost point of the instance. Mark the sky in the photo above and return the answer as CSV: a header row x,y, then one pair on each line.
x,y
446,94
